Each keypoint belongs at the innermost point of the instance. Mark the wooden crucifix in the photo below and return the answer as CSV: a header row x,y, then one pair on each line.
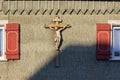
x,y
57,26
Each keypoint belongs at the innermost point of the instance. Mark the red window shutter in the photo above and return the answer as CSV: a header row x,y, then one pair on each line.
x,y
103,42
12,41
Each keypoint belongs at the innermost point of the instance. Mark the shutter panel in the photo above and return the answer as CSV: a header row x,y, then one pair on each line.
x,y
12,41
103,42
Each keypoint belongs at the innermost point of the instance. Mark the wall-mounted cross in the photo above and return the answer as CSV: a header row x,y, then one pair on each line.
x,y
57,26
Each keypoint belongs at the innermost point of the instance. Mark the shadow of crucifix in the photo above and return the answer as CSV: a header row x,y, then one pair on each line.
x,y
58,27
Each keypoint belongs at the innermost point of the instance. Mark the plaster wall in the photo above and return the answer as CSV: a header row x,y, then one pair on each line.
x,y
37,47
77,57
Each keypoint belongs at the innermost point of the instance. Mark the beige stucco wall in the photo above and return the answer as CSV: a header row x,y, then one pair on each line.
x,y
38,49
77,57
60,7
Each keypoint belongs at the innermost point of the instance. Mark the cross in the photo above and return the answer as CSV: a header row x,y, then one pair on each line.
x,y
57,26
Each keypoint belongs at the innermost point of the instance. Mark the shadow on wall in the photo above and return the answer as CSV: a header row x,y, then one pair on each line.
x,y
79,63
76,62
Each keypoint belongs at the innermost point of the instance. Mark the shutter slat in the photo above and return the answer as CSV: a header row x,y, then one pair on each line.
x,y
12,41
103,41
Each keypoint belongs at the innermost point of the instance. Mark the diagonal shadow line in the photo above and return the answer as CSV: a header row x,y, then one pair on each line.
x,y
78,62
71,59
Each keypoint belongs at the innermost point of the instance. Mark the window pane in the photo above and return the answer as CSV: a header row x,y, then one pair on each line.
x,y
116,41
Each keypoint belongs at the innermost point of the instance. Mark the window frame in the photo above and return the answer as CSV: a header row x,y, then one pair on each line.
x,y
2,57
112,24
2,26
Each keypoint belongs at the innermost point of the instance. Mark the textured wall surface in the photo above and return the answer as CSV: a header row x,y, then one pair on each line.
x,y
77,57
61,7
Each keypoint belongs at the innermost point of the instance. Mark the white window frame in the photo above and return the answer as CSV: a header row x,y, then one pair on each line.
x,y
2,26
113,22
2,57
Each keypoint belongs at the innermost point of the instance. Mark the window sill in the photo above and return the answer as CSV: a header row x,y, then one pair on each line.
x,y
3,59
114,59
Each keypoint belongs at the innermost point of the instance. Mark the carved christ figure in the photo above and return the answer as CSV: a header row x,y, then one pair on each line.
x,y
58,36
57,27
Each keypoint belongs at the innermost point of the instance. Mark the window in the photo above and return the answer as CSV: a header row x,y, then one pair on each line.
x,y
108,40
115,39
2,46
9,41
116,42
